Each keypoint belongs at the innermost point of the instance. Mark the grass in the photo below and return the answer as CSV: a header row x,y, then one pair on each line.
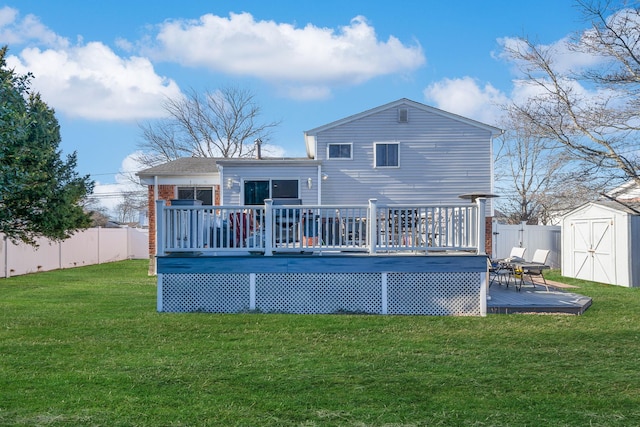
x,y
85,346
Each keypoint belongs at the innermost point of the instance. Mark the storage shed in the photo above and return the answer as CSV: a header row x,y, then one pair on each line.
x,y
601,242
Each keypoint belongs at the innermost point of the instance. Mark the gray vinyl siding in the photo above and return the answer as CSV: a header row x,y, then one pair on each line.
x,y
440,159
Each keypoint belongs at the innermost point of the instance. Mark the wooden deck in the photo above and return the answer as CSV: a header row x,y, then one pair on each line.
x,y
530,299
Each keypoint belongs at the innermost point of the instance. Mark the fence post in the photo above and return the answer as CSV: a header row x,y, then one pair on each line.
x,y
373,225
268,227
160,227
481,203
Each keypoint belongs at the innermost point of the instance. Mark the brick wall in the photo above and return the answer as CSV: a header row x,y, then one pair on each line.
x,y
165,192
488,235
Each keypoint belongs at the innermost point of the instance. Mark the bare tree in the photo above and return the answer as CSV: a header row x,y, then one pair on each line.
x,y
594,111
221,123
528,168
536,177
572,189
132,203
99,214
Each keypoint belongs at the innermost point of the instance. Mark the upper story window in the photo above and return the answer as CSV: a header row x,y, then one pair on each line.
x,y
387,154
339,151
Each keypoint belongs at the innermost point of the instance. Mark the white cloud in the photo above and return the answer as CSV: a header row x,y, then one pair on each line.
x,y
465,96
305,92
85,80
311,58
272,150
28,29
92,82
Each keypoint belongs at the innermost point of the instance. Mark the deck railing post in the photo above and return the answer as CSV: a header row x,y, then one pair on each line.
x,y
268,227
160,224
481,204
372,232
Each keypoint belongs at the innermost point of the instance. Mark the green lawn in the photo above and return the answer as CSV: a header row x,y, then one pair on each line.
x,y
85,346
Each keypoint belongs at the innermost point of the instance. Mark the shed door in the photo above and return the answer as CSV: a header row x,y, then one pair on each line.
x,y
593,253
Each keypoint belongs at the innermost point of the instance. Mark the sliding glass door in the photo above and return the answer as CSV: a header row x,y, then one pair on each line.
x,y
256,191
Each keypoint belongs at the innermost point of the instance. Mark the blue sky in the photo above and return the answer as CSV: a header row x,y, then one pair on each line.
x,y
106,66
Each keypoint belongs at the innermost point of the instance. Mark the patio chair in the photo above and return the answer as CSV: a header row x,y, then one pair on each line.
x,y
500,271
517,253
540,258
241,227
286,220
355,230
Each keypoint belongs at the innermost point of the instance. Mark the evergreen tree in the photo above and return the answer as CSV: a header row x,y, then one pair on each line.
x,y
40,193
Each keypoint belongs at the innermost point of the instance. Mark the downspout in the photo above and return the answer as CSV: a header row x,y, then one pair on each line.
x,y
222,184
319,181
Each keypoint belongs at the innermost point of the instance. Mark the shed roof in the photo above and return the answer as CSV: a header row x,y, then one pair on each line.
x,y
631,208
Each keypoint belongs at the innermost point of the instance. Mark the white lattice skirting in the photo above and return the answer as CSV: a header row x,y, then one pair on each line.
x,y
428,293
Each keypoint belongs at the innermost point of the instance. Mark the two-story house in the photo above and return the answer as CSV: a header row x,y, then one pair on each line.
x,y
400,152
374,209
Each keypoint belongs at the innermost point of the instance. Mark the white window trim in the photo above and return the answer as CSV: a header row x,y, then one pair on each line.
x,y
375,151
350,144
195,189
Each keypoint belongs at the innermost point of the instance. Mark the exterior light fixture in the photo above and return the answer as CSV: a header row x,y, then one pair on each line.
x,y
309,183
229,183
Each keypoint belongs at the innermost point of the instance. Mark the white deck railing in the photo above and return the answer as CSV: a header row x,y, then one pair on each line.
x,y
267,229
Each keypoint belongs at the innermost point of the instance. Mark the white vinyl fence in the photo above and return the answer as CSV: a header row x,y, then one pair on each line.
x,y
92,246
531,237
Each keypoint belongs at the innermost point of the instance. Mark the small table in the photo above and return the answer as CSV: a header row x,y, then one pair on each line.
x,y
523,267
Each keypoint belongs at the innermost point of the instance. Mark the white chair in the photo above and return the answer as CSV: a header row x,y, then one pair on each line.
x,y
517,252
500,271
540,258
